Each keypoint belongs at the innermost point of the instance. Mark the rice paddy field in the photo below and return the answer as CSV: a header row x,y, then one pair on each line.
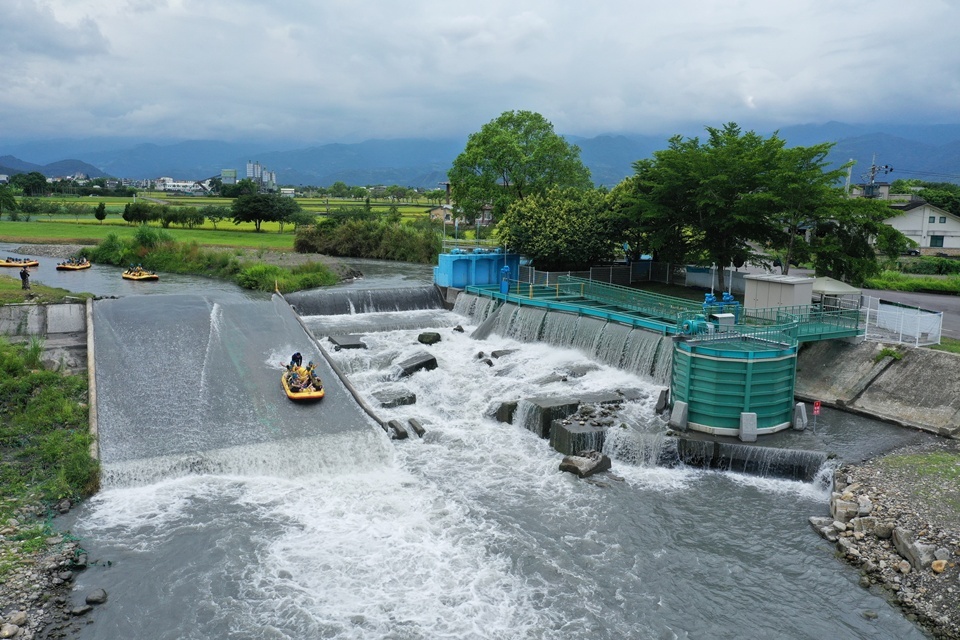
x,y
66,228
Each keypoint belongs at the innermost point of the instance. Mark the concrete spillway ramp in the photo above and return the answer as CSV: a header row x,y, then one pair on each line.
x,y
187,385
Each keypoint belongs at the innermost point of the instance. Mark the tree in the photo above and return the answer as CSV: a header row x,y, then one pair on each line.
x,y
100,213
512,157
31,184
8,201
339,189
284,209
245,187
646,225
803,191
216,213
842,243
716,190
560,230
263,207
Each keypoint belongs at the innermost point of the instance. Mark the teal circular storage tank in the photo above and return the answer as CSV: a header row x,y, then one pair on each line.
x,y
722,376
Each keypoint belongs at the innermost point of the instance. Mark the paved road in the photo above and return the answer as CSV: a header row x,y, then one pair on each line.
x,y
950,305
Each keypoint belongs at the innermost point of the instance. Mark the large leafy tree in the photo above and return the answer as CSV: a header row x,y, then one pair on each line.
x,y
513,157
560,230
263,207
8,201
31,184
847,238
712,189
803,192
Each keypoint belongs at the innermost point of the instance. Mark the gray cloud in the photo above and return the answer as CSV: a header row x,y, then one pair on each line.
x,y
341,70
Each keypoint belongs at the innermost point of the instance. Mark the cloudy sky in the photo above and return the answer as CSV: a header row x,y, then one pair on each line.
x,y
336,70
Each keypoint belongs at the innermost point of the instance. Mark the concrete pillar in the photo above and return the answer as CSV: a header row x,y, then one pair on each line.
x,y
800,416
678,417
748,427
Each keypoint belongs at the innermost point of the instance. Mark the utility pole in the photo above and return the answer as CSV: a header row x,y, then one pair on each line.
x,y
872,189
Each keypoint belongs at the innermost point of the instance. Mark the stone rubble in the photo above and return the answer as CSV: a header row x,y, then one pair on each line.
x,y
35,589
903,537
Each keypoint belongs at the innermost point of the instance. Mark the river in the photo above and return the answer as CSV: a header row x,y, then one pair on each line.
x,y
229,512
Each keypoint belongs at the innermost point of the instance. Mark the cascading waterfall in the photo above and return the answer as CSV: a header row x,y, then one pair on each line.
x,y
357,301
769,461
636,350
642,449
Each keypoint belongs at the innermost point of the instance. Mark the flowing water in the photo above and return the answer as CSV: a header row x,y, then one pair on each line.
x,y
229,512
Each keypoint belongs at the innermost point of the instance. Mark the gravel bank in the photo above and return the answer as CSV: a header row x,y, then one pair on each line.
x,y
35,584
897,518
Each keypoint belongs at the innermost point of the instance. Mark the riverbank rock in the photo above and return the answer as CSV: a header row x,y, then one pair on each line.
x,y
585,464
901,529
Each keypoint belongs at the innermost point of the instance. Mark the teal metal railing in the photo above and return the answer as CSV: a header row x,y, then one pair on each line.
x,y
782,332
652,304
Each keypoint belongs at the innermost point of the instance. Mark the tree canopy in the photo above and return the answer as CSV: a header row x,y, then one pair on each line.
x,y
740,197
263,207
560,230
8,201
515,156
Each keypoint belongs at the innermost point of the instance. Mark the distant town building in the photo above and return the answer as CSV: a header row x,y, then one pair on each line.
x,y
290,192
261,176
228,176
184,186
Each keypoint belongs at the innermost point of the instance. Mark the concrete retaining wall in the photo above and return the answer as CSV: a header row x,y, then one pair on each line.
x,y
920,390
38,319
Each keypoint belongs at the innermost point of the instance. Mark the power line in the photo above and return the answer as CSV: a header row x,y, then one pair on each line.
x,y
933,174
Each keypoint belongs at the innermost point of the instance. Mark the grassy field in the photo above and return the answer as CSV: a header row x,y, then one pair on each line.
x,y
92,232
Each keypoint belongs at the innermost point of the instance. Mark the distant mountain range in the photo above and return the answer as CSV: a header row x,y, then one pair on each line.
x,y
928,152
10,165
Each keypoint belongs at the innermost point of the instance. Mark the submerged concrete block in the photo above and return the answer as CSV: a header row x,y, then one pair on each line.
x,y
416,362
663,400
417,427
571,438
505,412
389,398
347,342
396,430
544,411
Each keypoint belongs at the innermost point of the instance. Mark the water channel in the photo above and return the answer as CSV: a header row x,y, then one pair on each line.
x,y
228,513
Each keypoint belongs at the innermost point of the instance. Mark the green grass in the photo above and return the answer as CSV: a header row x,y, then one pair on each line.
x,y
896,281
11,291
950,345
44,442
89,231
934,476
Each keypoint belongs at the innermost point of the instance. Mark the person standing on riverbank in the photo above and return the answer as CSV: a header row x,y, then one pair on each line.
x,y
25,278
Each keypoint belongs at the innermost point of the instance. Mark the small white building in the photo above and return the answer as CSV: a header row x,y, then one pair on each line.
x,y
935,230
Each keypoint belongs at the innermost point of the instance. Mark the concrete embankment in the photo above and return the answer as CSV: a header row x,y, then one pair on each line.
x,y
919,389
61,327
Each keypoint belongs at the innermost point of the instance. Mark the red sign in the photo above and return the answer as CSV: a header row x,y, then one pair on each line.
x,y
816,408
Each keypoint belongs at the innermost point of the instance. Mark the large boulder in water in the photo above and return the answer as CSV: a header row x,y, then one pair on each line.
x,y
428,337
586,463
